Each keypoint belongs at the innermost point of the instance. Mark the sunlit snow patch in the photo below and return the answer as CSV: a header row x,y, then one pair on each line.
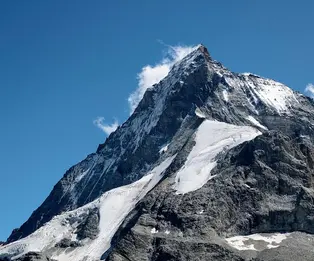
x,y
154,231
164,149
199,113
256,122
257,242
212,137
225,95
271,93
113,206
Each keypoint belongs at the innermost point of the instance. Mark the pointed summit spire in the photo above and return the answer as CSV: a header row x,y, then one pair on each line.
x,y
204,50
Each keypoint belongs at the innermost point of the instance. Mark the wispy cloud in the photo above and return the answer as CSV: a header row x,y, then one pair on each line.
x,y
151,74
106,128
310,89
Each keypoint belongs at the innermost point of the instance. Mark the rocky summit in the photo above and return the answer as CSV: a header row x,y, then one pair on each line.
x,y
211,165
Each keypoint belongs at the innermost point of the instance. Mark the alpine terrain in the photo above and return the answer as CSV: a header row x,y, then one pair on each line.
x,y
212,165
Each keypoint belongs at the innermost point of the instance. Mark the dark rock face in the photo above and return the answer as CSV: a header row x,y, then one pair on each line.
x,y
264,185
30,256
66,242
165,249
89,228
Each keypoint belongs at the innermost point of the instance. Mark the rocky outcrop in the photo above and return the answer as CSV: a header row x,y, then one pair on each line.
x,y
89,228
30,256
66,242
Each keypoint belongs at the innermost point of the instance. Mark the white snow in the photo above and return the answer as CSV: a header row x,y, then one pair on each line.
x,y
256,122
167,232
212,137
80,176
113,206
274,95
163,148
271,93
247,242
225,95
154,231
199,113
249,74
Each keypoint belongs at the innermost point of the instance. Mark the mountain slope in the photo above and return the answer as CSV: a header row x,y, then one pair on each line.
x,y
207,155
263,186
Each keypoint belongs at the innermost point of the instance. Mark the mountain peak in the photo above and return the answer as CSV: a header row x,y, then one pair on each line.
x,y
204,50
177,138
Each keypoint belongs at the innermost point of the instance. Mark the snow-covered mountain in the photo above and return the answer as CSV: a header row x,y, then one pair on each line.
x,y
212,165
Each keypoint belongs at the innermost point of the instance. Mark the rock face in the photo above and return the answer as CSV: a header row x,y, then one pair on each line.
x,y
262,186
31,256
90,227
244,142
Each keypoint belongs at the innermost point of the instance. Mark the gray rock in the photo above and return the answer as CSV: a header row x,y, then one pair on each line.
x,y
66,242
89,228
30,256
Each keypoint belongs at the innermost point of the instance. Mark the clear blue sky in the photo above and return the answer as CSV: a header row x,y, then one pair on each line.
x,y
63,63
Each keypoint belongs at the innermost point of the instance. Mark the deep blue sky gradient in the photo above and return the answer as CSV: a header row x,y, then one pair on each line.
x,y
63,63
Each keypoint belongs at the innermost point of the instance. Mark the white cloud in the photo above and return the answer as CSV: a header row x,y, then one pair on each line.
x,y
150,75
106,128
310,89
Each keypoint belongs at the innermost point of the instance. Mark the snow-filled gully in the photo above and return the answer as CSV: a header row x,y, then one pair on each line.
x,y
212,137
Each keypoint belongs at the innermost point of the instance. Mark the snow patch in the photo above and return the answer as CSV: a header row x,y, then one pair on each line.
x,y
225,95
167,232
212,138
113,206
271,93
154,231
199,113
256,122
250,74
250,242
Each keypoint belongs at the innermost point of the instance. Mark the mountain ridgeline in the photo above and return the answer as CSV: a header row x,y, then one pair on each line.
x,y
212,165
